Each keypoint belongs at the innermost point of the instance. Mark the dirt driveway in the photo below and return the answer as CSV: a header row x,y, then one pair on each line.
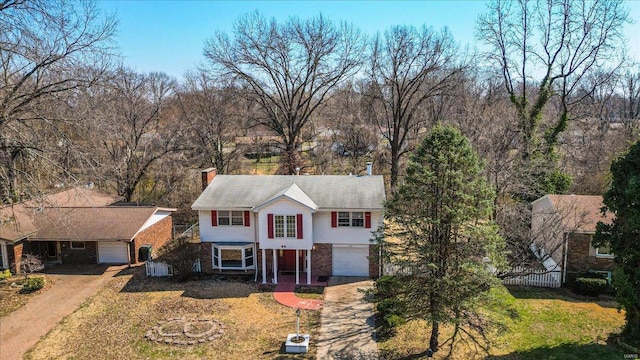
x,y
70,287
347,327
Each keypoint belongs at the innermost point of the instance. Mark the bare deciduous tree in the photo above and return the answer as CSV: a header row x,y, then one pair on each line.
x,y
131,128
287,70
46,50
408,66
543,49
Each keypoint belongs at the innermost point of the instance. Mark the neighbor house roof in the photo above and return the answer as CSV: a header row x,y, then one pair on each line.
x,y
325,191
579,213
91,224
18,221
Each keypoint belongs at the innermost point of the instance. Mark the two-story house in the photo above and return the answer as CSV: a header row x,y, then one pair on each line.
x,y
308,225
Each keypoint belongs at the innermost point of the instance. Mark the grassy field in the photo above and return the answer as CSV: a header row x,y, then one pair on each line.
x,y
527,324
112,325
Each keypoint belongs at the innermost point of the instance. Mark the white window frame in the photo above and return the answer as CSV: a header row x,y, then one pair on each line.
x,y
608,255
289,229
351,220
84,245
248,260
232,217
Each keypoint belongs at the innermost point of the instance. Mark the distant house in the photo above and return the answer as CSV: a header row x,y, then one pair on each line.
x,y
309,225
562,229
80,225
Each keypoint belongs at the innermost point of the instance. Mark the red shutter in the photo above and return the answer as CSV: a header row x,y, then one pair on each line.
x,y
367,220
334,219
299,233
247,218
214,218
270,226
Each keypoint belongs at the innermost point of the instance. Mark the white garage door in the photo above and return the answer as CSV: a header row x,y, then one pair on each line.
x,y
112,252
350,260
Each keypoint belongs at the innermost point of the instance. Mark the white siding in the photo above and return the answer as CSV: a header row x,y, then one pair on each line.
x,y
286,207
222,233
155,218
325,234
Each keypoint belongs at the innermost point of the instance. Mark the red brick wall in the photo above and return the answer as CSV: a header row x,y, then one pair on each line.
x,y
321,260
579,259
206,254
156,236
374,269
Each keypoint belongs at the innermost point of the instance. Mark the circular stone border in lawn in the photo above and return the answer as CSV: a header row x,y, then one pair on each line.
x,y
184,331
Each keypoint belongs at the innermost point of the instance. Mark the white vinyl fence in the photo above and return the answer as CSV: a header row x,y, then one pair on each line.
x,y
158,269
536,278
155,269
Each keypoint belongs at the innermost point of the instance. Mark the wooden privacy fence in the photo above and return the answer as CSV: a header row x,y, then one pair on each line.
x,y
536,278
155,269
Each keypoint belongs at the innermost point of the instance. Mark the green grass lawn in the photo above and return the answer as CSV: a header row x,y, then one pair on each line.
x,y
527,323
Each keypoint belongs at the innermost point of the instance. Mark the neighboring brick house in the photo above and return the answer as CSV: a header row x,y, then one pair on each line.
x,y
80,225
276,223
562,228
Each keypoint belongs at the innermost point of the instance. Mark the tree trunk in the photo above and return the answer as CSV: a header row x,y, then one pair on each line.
x,y
433,340
395,160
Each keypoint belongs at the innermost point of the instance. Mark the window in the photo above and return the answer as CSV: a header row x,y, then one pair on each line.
x,y
353,219
230,218
77,245
233,256
604,251
285,226
357,219
344,218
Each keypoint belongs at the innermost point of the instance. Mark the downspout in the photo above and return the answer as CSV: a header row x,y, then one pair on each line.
x,y
129,252
255,245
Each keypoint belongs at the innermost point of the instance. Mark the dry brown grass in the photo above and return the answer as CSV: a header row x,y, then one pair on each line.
x,y
113,323
10,297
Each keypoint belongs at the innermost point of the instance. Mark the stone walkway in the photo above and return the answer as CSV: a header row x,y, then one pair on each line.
x,y
347,329
21,329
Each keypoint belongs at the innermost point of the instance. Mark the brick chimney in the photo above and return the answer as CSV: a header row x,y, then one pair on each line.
x,y
207,176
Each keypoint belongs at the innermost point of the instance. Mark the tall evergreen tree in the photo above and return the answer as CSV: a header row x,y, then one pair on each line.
x,y
439,224
623,237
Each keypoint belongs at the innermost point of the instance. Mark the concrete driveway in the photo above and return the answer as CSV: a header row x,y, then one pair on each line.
x,y
70,287
347,329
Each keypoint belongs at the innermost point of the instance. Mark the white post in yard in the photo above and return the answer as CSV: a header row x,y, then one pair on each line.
x,y
308,267
264,266
297,267
275,266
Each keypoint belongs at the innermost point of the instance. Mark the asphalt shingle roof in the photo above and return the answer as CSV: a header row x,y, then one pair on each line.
x,y
91,224
327,191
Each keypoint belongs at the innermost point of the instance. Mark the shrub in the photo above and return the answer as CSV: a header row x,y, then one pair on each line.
x,y
181,254
32,284
590,286
391,311
5,274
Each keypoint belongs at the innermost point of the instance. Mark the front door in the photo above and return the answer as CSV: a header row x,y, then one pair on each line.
x,y
52,249
287,260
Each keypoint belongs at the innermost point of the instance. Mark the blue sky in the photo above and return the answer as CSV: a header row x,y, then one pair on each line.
x,y
169,36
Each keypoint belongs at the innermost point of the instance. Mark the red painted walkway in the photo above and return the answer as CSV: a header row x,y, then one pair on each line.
x,y
284,294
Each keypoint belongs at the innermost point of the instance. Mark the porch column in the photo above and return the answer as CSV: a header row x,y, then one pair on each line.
x,y
264,266
275,266
5,257
308,267
297,267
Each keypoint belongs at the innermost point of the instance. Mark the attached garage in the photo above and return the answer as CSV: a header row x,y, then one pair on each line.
x,y
350,260
113,252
